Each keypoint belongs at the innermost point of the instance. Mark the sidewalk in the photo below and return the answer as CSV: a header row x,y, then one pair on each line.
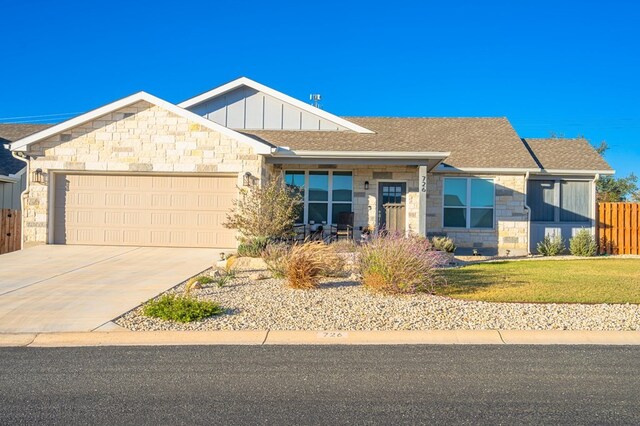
x,y
266,337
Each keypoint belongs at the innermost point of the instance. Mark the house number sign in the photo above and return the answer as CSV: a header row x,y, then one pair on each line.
x,y
333,335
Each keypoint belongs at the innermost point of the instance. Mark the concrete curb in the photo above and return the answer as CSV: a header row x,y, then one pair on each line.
x,y
278,337
400,337
563,337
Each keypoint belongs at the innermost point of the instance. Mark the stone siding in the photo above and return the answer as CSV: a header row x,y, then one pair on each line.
x,y
365,201
511,216
141,138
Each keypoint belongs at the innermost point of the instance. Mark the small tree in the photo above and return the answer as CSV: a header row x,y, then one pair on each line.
x,y
264,212
614,190
551,245
583,244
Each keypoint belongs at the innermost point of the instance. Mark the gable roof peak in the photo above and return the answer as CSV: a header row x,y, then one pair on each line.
x,y
23,144
245,81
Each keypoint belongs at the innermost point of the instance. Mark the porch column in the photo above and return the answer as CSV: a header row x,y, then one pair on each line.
x,y
422,209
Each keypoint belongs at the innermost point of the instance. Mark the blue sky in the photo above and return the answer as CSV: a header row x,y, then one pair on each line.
x,y
552,67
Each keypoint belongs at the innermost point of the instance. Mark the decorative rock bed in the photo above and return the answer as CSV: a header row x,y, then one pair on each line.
x,y
341,304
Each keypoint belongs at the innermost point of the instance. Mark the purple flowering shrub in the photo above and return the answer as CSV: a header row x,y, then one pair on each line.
x,y
394,263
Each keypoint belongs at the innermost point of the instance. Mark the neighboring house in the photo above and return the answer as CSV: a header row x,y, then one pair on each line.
x,y
143,171
13,179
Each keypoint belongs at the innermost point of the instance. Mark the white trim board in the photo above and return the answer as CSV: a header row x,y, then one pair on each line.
x,y
8,179
427,155
505,170
23,144
244,81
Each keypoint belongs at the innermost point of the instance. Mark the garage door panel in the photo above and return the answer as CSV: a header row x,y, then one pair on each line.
x,y
134,237
178,211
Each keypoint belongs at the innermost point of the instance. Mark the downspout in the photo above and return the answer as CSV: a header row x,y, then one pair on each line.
x,y
22,157
594,206
528,209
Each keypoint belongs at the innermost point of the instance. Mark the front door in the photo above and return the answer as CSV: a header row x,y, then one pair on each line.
x,y
392,200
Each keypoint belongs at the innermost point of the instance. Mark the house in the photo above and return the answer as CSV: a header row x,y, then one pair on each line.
x,y
143,171
13,179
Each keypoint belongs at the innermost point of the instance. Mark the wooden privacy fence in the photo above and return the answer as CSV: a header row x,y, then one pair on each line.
x,y
618,228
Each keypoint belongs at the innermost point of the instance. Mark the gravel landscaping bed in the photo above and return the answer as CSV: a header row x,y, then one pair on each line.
x,y
341,304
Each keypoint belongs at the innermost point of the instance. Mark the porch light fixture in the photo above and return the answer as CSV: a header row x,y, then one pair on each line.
x,y
38,176
366,184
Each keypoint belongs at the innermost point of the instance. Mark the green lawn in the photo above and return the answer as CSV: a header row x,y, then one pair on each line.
x,y
561,281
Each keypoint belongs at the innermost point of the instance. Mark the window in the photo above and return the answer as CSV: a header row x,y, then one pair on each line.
x,y
341,194
392,194
295,182
468,203
329,194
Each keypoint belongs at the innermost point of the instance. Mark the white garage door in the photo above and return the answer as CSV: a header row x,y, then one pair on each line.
x,y
140,210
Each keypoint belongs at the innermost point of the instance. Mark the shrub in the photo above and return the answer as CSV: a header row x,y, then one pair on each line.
x,y
252,247
275,256
444,244
264,212
307,262
583,244
396,264
551,246
181,308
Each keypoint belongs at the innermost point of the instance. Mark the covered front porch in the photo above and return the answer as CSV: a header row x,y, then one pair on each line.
x,y
359,194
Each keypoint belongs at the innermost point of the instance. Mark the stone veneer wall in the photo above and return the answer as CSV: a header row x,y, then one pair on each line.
x,y
365,201
511,231
152,139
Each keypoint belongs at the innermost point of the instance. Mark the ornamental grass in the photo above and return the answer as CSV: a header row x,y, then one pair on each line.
x,y
393,263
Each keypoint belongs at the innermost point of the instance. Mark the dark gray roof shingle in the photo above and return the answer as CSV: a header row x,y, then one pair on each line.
x,y
10,132
566,154
473,142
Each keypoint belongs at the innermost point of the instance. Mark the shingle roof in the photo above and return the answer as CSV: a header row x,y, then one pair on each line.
x,y
473,142
9,133
566,154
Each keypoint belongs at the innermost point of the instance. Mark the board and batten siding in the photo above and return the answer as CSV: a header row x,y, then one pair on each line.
x,y
10,192
247,108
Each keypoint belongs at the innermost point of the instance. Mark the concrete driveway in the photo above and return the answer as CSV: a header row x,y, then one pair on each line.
x,y
80,288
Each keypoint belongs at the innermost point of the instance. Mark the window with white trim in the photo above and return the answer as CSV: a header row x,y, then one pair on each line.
x,y
325,194
468,203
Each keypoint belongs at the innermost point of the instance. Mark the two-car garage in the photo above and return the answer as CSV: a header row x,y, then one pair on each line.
x,y
142,210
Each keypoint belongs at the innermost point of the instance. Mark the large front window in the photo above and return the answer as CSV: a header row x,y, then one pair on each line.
x,y
325,194
468,203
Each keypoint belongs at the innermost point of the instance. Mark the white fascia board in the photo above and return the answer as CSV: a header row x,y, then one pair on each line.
x,y
23,144
8,179
244,81
446,169
360,154
575,172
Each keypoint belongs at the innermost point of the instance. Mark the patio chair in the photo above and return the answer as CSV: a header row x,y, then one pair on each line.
x,y
344,227
300,233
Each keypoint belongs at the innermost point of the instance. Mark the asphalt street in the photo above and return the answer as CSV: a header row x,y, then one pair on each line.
x,y
321,385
